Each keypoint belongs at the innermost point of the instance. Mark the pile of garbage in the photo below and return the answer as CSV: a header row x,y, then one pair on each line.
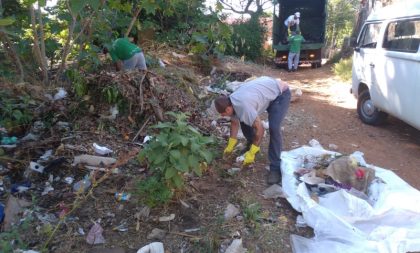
x,y
351,205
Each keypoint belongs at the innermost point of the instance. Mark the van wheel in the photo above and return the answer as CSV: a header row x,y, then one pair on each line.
x,y
368,113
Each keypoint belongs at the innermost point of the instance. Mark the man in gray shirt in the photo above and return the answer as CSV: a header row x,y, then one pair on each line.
x,y
244,107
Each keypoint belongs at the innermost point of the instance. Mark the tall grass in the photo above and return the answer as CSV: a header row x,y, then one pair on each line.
x,y
342,68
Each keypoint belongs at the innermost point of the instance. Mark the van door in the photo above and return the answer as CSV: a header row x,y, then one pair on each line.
x,y
396,71
365,52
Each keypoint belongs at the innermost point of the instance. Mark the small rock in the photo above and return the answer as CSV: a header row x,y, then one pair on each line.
x,y
156,234
230,212
236,247
273,192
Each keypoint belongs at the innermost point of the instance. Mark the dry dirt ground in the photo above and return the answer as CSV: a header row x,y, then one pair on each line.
x,y
325,112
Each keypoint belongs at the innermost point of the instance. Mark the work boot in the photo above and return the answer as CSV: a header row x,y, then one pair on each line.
x,y
274,177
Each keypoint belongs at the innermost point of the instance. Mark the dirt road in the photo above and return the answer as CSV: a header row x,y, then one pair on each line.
x,y
327,112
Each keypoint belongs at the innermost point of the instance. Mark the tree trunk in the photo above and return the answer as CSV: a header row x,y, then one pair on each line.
x,y
37,50
10,49
42,38
67,45
133,20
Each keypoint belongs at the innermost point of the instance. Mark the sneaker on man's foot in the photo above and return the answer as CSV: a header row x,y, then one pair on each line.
x,y
274,177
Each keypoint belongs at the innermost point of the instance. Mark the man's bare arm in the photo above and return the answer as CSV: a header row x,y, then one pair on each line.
x,y
234,127
259,131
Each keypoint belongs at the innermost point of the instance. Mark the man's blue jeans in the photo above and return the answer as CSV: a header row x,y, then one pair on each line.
x,y
276,112
293,59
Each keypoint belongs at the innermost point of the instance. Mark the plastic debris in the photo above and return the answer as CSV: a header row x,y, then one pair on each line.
x,y
154,247
156,234
114,170
36,167
161,63
68,180
82,185
167,218
122,196
46,155
20,187
101,149
93,160
265,124
62,93
95,235
8,140
48,188
240,159
147,138
30,137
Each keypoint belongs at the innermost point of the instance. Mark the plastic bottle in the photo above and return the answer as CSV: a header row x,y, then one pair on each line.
x,y
122,196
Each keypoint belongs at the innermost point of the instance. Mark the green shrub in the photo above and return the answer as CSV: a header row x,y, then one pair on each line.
x,y
343,68
177,149
248,39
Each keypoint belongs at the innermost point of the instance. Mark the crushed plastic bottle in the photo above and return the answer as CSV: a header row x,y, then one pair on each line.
x,y
122,196
82,185
8,140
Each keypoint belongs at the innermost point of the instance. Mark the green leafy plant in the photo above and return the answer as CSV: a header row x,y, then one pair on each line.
x,y
14,112
343,68
153,192
252,212
177,149
112,94
79,83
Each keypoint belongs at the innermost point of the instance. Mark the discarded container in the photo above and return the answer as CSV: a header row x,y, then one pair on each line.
x,y
82,185
95,235
101,149
62,93
8,140
93,160
154,247
36,167
122,196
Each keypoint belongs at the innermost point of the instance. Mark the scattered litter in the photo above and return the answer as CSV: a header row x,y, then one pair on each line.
x,y
231,211
46,218
8,140
154,247
184,204
236,247
30,137
123,227
180,56
273,192
46,155
48,188
95,235
20,187
296,94
122,196
13,207
30,251
156,234
240,159
143,214
63,126
81,231
101,149
62,93
190,230
68,180
167,218
82,185
93,160
36,167
93,168
147,138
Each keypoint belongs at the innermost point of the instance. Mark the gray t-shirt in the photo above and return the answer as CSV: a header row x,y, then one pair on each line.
x,y
253,98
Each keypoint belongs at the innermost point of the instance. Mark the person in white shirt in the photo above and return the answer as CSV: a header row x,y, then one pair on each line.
x,y
292,22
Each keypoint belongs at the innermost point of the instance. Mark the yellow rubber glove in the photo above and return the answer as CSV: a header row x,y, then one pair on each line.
x,y
231,145
250,155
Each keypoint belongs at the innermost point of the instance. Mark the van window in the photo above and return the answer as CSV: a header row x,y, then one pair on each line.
x,y
370,35
402,36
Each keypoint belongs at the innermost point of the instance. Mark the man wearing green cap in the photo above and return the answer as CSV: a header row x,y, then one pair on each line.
x,y
126,55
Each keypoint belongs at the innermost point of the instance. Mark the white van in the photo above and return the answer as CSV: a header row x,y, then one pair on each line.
x,y
386,65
